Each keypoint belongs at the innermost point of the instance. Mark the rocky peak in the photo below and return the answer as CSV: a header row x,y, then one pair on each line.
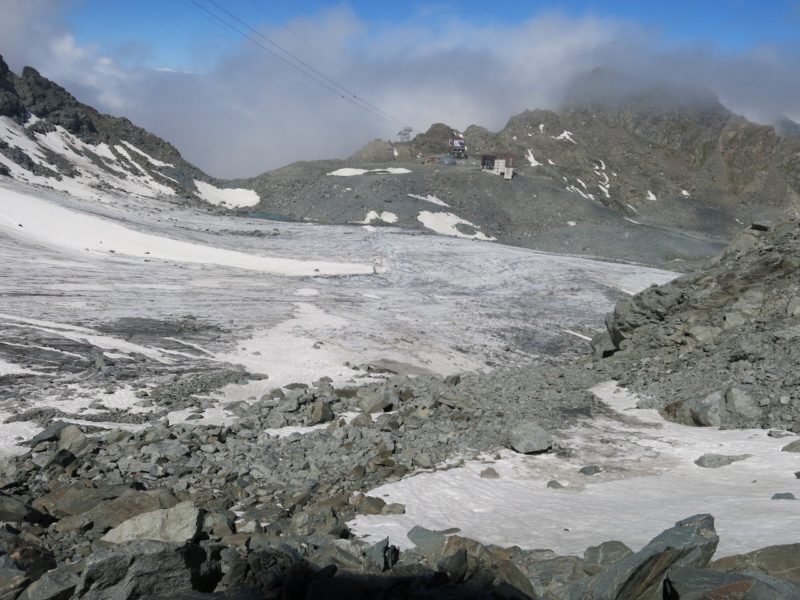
x,y
48,100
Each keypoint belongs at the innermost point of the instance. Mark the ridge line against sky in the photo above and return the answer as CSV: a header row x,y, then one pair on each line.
x,y
235,111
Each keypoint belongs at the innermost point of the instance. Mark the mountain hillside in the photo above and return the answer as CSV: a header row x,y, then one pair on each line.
x,y
656,174
48,138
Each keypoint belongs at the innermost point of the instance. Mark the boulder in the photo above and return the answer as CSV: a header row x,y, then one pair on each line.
x,y
58,584
639,576
781,562
178,524
792,446
321,412
607,553
530,438
111,513
144,569
715,461
16,511
686,583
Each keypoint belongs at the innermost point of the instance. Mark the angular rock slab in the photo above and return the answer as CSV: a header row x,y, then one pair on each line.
x,y
691,543
178,524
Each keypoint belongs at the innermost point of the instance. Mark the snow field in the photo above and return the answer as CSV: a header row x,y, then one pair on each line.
x,y
44,222
649,481
231,197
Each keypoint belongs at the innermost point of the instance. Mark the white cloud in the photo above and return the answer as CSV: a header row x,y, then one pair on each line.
x,y
247,112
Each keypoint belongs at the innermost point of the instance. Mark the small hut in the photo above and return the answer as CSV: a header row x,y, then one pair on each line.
x,y
499,164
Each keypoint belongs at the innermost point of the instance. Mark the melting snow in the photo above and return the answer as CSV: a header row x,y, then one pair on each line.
x,y
385,216
53,225
235,197
533,162
651,195
445,223
565,135
649,481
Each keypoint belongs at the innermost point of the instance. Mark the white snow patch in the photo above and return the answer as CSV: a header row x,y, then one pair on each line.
x,y
649,481
541,127
235,197
531,160
351,172
571,223
651,196
385,216
631,221
430,198
564,135
445,224
576,334
394,151
11,434
685,193
550,162
55,226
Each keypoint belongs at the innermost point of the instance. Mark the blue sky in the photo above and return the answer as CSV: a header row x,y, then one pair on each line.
x,y
176,34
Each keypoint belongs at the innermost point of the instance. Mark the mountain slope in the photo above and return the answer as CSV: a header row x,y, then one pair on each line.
x,y
657,174
48,138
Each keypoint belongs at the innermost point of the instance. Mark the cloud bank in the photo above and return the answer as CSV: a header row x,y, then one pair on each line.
x,y
246,112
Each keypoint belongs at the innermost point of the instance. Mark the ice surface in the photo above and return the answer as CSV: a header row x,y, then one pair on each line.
x,y
233,197
423,303
649,481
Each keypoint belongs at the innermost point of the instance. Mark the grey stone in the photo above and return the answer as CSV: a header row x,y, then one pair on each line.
x,y
394,508
606,553
371,505
58,584
11,583
71,438
177,524
428,543
144,569
792,446
690,543
530,438
489,473
781,562
16,511
685,583
783,496
715,461
591,470
320,413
